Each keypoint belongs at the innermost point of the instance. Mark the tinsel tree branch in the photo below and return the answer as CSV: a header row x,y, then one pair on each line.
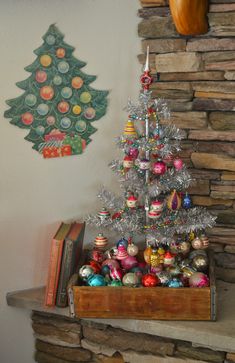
x,y
110,201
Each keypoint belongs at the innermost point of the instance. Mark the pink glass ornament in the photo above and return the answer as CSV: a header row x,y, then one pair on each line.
x,y
129,262
198,279
122,253
111,263
133,152
159,168
116,273
178,164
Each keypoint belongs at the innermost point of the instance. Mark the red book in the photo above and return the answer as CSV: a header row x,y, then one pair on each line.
x,y
55,263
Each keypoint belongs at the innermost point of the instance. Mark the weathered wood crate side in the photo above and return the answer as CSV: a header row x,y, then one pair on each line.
x,y
157,303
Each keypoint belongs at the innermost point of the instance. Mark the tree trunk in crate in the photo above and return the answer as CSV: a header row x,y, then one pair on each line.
x,y
190,16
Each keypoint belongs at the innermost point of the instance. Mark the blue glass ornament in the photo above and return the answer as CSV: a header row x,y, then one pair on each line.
x,y
105,270
122,242
175,283
187,201
96,280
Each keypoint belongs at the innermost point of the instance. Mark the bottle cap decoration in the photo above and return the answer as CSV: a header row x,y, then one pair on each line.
x,y
104,214
101,241
130,129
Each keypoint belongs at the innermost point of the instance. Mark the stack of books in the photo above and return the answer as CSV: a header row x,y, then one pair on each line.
x,y
65,259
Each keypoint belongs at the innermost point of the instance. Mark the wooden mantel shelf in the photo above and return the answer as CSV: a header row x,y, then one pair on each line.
x,y
219,335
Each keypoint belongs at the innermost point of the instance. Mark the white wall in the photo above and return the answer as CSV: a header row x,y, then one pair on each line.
x,y
35,194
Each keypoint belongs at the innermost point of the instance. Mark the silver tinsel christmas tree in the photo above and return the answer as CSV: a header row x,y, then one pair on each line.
x,y
153,179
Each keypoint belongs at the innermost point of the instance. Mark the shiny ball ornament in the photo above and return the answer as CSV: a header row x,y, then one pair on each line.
x,y
122,253
154,258
110,263
150,280
77,109
144,164
200,263
122,242
97,255
133,152
105,270
174,270
199,279
169,259
42,109
60,52
184,247
132,249
152,214
178,164
57,80
174,201
187,271
116,283
130,279
147,254
164,277
30,100
116,273
96,280
104,214
157,205
50,120
100,241
197,243
174,247
205,241
175,282
63,67
41,76
196,253
131,201
129,129
159,168
27,118
63,107
47,93
90,113
77,82
85,97
45,60
129,262
187,201
66,92
128,162
85,272
96,266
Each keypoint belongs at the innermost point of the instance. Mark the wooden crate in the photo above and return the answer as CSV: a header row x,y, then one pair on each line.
x,y
156,303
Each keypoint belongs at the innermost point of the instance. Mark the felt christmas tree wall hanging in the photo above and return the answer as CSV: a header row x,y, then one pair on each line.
x,y
58,105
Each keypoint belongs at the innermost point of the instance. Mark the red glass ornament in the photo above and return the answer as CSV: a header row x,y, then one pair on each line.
x,y
150,280
97,255
159,168
96,266
146,80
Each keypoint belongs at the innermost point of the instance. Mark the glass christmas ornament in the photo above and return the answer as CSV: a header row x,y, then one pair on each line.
x,y
154,258
150,280
200,263
27,118
96,280
116,283
184,247
198,279
174,247
128,162
60,52
157,205
133,152
90,113
30,100
131,201
116,273
63,107
63,67
77,82
197,243
122,253
205,241
85,97
41,76
146,79
187,271
97,255
169,259
178,164
130,279
159,168
100,241
96,266
130,129
187,201
147,254
154,214
168,159
122,242
85,272
129,262
144,164
174,201
105,270
104,214
110,263
174,270
132,249
45,60
164,277
175,282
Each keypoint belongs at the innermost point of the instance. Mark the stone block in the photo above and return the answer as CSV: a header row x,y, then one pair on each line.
x,y
123,340
178,62
214,86
223,188
225,260
208,44
219,95
215,147
229,249
201,187
152,3
134,357
188,120
216,247
193,76
187,351
230,357
157,27
179,106
221,8
205,201
213,161
222,121
220,194
98,348
222,24
42,357
53,335
223,274
185,96
229,75
219,60
164,45
157,11
210,135
68,354
227,176
204,174
61,323
207,104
